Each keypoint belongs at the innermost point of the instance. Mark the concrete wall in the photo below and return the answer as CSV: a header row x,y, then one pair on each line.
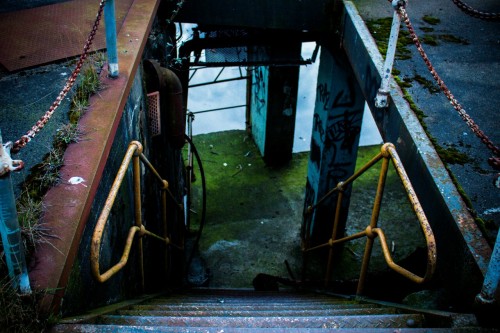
x,y
258,100
83,291
338,114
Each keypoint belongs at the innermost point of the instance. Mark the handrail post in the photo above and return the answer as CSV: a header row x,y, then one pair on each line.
x,y
9,224
334,233
138,207
492,278
373,223
111,46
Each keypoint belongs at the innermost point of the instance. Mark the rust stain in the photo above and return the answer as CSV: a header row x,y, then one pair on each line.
x,y
61,30
67,210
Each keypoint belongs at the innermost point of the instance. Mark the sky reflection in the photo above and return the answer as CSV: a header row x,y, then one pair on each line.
x,y
228,94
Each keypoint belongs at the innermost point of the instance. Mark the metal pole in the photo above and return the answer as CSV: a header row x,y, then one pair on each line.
x,y
110,22
492,278
9,225
383,92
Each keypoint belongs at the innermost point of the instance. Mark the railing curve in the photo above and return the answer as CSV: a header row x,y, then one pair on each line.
x,y
388,152
134,154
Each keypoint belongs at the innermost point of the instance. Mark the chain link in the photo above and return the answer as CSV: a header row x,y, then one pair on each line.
x,y
476,13
21,143
493,161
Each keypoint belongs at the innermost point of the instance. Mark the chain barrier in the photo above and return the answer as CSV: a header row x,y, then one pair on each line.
x,y
493,161
21,143
476,13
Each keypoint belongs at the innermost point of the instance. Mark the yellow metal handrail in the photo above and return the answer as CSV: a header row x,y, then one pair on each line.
x,y
134,154
388,152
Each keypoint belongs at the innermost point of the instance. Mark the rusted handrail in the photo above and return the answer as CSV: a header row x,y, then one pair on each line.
x,y
388,152
134,155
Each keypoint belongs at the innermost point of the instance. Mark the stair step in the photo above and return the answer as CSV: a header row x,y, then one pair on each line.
x,y
245,312
262,307
90,328
257,312
362,321
245,300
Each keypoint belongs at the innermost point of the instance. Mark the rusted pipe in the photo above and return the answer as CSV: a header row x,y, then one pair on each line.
x,y
388,259
349,180
103,218
138,207
134,155
374,219
334,232
417,208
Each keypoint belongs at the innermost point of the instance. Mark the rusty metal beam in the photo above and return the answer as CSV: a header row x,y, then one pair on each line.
x,y
68,206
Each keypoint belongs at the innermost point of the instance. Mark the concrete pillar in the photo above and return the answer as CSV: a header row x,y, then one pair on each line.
x,y
338,114
273,108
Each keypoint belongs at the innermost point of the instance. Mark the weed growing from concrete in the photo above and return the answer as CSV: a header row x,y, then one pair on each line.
x,y
19,313
69,133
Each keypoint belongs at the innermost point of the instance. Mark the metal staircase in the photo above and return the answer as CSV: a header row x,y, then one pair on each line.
x,y
209,310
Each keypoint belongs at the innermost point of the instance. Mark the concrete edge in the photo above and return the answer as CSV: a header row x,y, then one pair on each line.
x,y
419,154
66,206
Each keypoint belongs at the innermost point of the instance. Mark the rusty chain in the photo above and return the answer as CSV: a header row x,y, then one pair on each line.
x,y
493,161
21,143
476,13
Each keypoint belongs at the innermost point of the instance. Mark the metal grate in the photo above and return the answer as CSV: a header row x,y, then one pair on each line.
x,y
154,113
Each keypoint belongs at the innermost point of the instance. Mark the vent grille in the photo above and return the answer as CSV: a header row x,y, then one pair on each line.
x,y
154,113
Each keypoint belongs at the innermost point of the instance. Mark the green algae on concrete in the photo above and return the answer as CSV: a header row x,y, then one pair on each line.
x,y
254,213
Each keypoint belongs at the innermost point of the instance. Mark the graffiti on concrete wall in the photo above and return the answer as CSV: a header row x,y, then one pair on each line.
x,y
336,128
259,89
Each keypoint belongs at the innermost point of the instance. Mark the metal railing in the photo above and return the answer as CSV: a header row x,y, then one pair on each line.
x,y
388,152
134,154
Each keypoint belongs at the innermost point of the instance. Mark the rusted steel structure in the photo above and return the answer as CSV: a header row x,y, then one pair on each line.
x,y
350,75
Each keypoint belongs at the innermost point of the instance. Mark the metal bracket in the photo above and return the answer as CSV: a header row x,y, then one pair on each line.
x,y
7,164
382,98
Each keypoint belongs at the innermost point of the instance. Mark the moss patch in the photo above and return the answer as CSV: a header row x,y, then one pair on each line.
x,y
453,39
427,29
255,212
451,155
431,20
431,86
381,30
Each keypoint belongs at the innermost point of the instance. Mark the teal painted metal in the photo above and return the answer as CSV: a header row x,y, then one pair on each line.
x,y
273,110
490,284
258,102
112,50
9,229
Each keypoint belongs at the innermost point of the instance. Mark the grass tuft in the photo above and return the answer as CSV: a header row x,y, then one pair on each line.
x,y
19,314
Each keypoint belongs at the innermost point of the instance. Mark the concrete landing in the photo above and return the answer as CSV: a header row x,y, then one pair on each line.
x,y
254,215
